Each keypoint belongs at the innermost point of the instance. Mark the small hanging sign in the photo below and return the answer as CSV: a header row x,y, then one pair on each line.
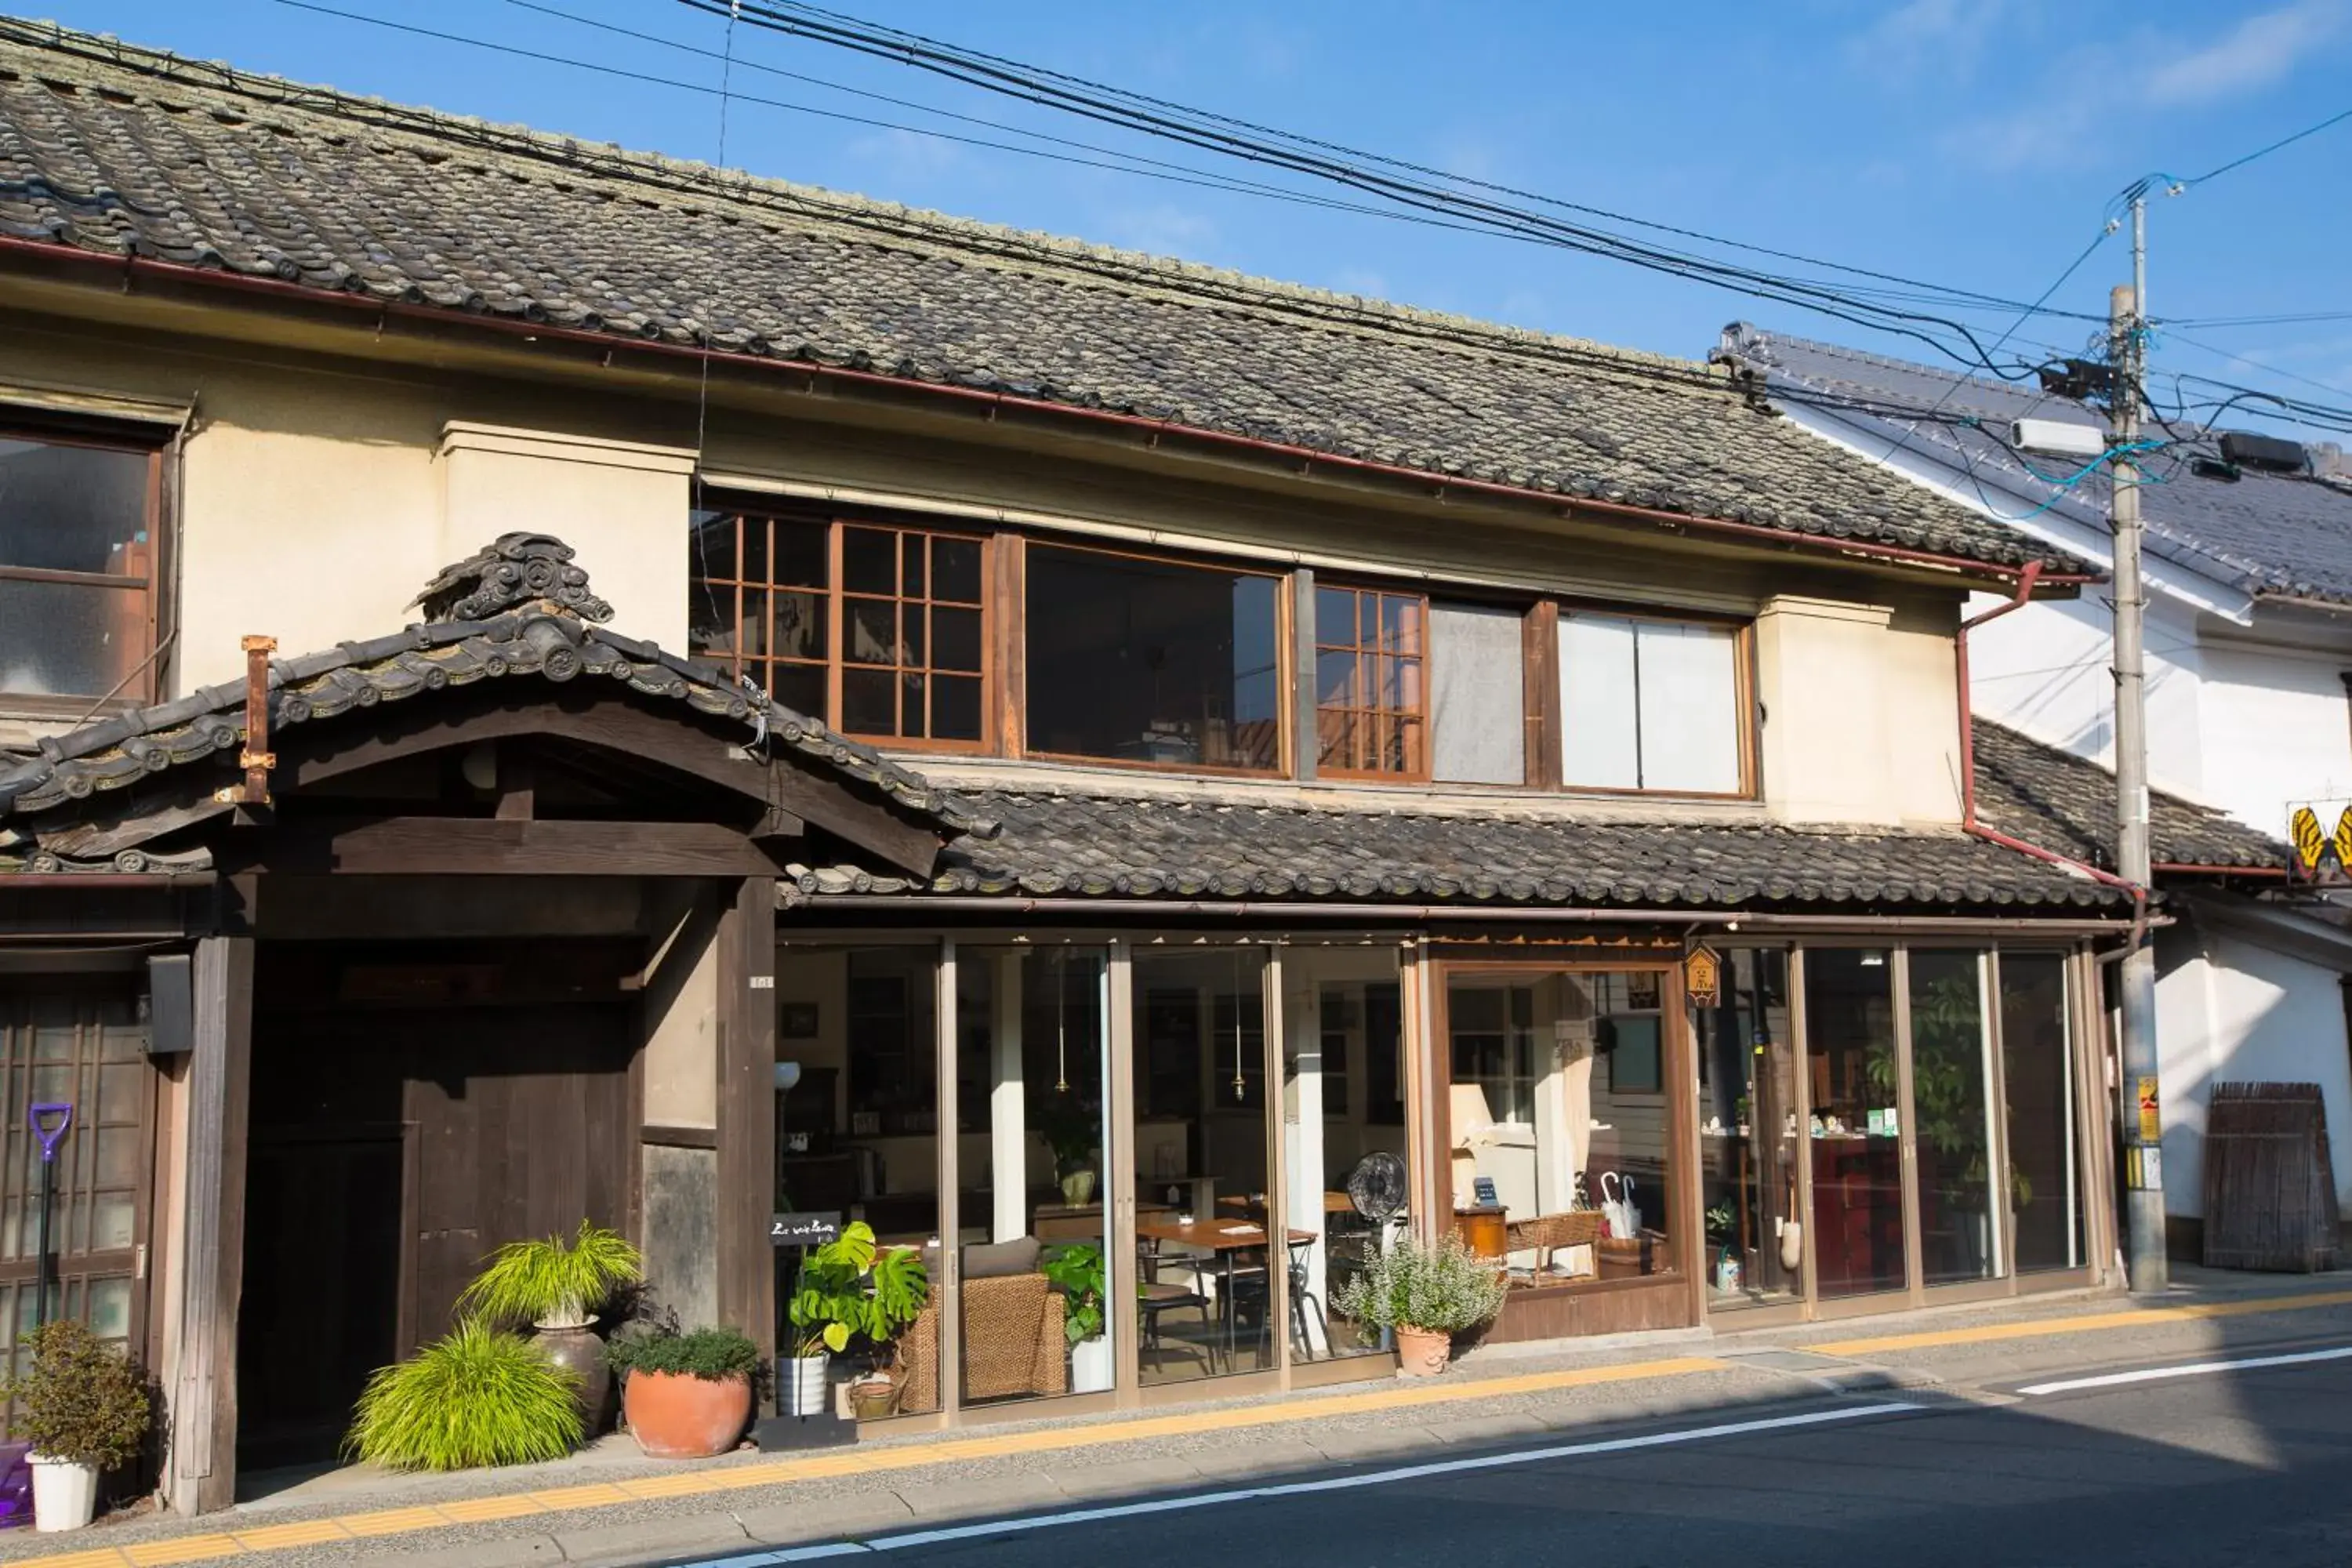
x,y
804,1229
1703,977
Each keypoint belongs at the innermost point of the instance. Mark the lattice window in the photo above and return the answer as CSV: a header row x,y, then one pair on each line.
x,y
1370,703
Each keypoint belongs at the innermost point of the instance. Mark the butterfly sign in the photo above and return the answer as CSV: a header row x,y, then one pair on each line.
x,y
2314,847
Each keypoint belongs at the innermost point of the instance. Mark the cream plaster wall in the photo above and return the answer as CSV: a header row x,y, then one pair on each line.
x,y
1861,724
681,1061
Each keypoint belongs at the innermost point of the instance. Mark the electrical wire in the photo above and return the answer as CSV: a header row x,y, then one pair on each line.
x,y
1208,131
2265,151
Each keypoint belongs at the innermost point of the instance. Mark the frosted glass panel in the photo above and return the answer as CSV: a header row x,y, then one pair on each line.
x,y
1690,708
1600,731
1477,665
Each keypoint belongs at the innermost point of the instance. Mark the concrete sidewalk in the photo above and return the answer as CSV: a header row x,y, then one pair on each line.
x,y
611,1505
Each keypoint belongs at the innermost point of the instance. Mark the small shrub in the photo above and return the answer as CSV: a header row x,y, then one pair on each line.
x,y
1444,1289
552,1279
711,1354
82,1400
480,1396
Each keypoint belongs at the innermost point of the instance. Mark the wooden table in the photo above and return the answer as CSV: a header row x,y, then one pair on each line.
x,y
1224,1239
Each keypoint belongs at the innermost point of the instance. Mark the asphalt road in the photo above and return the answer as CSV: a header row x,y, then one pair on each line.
x,y
2253,1464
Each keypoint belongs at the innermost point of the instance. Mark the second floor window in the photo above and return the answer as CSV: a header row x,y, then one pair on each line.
x,y
1370,701
1153,661
877,630
76,569
1651,705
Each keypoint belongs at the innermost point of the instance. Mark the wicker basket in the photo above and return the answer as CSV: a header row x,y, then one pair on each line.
x,y
1548,1232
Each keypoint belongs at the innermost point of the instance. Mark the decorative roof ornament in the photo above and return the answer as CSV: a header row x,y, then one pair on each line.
x,y
514,568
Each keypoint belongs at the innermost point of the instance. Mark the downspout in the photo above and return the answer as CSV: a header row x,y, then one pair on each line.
x,y
2026,582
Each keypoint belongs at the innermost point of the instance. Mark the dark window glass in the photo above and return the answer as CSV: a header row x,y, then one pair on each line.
x,y
869,560
1857,1145
1150,662
2045,1194
955,708
81,511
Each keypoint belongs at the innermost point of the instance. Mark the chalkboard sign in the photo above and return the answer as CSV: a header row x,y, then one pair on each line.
x,y
1483,1189
804,1229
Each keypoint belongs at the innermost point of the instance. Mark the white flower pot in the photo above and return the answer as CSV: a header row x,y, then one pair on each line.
x,y
65,1493
804,1391
1091,1370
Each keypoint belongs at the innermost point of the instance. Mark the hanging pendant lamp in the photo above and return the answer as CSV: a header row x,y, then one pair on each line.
x,y
1062,1021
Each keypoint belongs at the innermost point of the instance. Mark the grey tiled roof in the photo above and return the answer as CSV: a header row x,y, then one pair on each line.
x,y
1110,846
2260,532
528,636
2063,803
114,150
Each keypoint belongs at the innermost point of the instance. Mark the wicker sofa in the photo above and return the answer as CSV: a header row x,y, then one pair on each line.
x,y
1012,1343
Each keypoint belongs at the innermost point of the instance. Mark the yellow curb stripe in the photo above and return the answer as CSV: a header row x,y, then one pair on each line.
x,y
1991,1333
187,1549
391,1520
685,1483
483,1509
594,1495
101,1557
308,1533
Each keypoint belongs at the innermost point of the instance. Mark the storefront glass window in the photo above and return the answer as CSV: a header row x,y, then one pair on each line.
x,y
1951,1077
1031,1064
1854,1084
2038,1075
1750,1134
1205,1288
1346,1027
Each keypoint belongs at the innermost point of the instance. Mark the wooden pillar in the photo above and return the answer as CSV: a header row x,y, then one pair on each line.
x,y
201,1475
747,1111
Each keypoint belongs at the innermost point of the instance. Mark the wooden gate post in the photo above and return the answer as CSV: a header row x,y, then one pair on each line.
x,y
747,1111
201,1469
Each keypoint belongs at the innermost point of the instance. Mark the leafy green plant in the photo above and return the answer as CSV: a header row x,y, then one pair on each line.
x,y
481,1396
1076,1271
1719,1221
850,1287
81,1399
1073,1130
1443,1289
552,1281
713,1354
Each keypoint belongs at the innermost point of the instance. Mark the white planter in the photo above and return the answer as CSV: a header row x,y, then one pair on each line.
x,y
65,1494
803,1378
1091,1370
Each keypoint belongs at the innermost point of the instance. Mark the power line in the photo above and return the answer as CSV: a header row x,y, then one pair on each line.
x,y
1209,131
2265,151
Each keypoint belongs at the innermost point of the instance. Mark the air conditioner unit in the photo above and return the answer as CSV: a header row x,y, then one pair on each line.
x,y
2058,437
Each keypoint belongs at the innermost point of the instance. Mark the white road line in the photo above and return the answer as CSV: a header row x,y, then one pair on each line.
x,y
2200,1369
1300,1488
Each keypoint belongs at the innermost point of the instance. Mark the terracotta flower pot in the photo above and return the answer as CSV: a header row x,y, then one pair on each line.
x,y
677,1416
1423,1352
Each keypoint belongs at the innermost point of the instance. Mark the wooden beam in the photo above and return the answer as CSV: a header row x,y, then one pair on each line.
x,y
518,786
747,1111
473,845
616,724
202,1469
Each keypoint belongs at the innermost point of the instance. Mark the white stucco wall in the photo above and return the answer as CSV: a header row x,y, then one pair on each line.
x,y
2230,1010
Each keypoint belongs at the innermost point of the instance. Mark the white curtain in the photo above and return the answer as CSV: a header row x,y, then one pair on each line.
x,y
1599,742
1648,705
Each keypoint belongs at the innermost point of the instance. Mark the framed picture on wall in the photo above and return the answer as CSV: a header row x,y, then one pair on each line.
x,y
796,1020
1641,990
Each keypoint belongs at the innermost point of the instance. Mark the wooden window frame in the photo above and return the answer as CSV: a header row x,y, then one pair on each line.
x,y
1286,764
1545,662
1420,715
834,663
142,686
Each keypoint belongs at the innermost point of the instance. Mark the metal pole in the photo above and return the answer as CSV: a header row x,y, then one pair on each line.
x,y
2143,1131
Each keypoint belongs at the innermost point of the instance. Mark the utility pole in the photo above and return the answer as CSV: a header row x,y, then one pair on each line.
x,y
2143,1127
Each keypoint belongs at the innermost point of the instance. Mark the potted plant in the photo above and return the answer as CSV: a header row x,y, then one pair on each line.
x,y
846,1287
1076,1271
1425,1295
1071,1131
686,1395
558,1286
85,1408
480,1396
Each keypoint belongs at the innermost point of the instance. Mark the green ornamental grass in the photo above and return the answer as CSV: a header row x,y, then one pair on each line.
x,y
480,1396
549,1279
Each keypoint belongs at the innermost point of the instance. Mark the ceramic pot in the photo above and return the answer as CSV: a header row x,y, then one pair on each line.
x,y
872,1398
1091,1370
1078,1188
804,1379
1423,1352
65,1493
575,1348
677,1416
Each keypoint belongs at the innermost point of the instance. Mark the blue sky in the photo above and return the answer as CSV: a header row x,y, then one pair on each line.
x,y
1969,143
